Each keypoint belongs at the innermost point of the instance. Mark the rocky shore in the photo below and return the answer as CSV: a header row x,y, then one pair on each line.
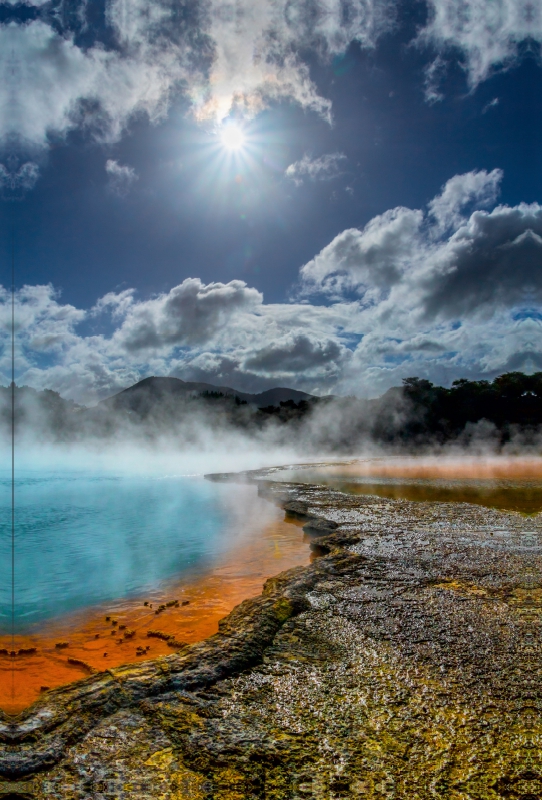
x,y
404,662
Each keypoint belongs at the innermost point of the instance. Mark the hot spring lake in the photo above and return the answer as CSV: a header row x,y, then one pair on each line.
x,y
87,537
84,538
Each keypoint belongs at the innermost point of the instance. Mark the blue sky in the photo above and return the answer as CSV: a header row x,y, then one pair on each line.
x,y
380,219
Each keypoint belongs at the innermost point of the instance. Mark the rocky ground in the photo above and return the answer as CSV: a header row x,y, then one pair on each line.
x,y
404,662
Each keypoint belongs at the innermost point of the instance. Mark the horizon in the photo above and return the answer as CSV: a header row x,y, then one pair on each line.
x,y
275,388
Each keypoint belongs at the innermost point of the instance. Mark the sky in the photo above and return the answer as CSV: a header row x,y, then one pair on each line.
x,y
330,195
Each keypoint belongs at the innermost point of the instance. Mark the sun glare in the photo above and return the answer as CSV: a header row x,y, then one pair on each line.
x,y
232,137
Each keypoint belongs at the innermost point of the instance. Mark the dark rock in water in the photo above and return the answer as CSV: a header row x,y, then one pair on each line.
x,y
298,510
320,527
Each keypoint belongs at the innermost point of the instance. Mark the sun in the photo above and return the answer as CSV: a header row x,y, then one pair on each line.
x,y
232,137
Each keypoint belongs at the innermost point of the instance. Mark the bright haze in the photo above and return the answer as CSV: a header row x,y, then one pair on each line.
x,y
328,195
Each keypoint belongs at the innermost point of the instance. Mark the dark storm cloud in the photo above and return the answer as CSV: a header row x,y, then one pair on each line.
x,y
443,263
494,260
296,353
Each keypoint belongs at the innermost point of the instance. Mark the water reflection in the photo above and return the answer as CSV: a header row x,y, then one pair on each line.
x,y
509,486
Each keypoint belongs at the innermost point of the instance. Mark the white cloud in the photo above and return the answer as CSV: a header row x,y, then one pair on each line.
x,y
449,293
121,177
492,104
479,188
221,54
258,45
16,178
190,314
486,261
51,85
322,168
224,56
373,258
487,35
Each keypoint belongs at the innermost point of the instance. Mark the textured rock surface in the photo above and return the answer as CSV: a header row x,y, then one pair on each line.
x,y
403,663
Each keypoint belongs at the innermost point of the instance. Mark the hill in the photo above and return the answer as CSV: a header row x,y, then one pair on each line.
x,y
149,390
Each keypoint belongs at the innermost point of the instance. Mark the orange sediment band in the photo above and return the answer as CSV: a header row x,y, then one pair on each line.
x,y
77,645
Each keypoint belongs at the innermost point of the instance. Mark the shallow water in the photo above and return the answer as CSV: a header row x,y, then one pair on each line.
x,y
95,635
504,485
83,538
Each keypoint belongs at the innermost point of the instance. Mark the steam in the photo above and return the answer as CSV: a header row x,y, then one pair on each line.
x,y
192,434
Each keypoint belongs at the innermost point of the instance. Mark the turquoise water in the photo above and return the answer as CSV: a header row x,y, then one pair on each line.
x,y
82,539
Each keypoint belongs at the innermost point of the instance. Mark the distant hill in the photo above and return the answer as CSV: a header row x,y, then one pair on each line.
x,y
138,396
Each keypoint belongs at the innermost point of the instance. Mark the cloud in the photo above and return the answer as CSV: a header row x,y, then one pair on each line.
x,y
492,104
190,314
219,54
373,258
309,362
297,353
444,263
323,168
121,177
435,73
15,178
487,36
223,56
52,85
479,188
451,291
492,261
258,47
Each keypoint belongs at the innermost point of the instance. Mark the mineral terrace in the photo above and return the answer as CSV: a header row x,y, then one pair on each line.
x,y
404,662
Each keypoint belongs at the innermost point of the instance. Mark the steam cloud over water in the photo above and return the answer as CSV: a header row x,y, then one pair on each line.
x,y
166,415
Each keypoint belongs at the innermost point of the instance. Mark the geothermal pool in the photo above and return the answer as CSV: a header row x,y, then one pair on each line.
x,y
84,538
97,554
87,537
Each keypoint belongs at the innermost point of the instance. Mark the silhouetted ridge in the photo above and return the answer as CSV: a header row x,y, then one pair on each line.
x,y
137,396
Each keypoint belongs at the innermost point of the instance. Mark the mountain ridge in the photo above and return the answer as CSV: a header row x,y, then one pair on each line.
x,y
156,387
